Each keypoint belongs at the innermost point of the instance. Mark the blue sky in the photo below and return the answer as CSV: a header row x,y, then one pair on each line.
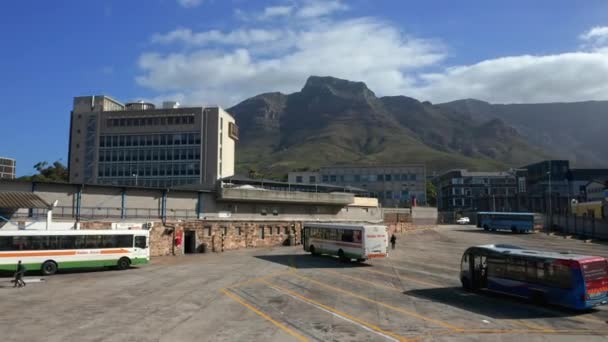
x,y
223,51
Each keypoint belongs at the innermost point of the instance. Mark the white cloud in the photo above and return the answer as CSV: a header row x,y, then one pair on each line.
x,y
227,67
574,76
359,49
237,37
596,37
189,3
319,8
276,11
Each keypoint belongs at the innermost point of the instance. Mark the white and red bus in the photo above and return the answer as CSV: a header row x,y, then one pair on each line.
x,y
49,251
347,241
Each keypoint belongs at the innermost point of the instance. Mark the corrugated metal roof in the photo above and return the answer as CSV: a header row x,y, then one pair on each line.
x,y
18,200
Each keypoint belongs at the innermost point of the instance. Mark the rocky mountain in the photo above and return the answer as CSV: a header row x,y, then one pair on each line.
x,y
334,121
574,131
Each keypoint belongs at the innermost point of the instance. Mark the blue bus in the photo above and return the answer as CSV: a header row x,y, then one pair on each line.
x,y
515,222
574,281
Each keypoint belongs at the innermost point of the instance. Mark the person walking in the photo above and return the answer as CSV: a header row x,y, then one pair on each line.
x,y
393,241
19,275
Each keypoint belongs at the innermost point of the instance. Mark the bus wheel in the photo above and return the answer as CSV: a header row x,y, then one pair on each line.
x,y
123,263
341,256
312,250
361,260
48,268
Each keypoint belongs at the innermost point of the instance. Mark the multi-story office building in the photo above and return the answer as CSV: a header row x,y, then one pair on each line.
x,y
462,190
138,144
393,185
7,168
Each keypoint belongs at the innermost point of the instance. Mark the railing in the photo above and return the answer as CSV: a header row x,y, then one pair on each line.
x,y
89,213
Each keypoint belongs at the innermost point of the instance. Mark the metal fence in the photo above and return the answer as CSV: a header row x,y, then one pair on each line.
x,y
583,226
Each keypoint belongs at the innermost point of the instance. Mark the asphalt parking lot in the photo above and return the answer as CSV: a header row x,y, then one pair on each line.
x,y
283,294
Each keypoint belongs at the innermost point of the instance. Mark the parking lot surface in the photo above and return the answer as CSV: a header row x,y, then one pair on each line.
x,y
283,294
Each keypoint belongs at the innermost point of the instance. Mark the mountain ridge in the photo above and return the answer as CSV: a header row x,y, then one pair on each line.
x,y
333,121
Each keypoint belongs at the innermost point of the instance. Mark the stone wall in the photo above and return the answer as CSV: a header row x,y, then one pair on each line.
x,y
95,225
219,236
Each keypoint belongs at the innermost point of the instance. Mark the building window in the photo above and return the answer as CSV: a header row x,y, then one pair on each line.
x,y
278,230
325,178
332,178
286,230
357,178
413,177
225,231
389,195
298,179
380,178
387,178
312,179
208,230
261,232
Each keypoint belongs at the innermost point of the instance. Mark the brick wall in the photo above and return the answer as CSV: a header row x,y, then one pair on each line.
x,y
218,236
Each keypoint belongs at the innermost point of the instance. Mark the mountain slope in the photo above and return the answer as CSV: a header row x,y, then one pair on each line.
x,y
574,131
333,121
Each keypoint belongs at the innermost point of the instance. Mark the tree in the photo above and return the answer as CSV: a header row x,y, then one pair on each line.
x,y
431,193
57,172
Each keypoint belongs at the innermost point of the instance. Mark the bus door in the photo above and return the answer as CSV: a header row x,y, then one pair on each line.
x,y
305,238
478,269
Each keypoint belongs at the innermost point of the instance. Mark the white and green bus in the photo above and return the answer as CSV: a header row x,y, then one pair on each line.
x,y
347,241
48,251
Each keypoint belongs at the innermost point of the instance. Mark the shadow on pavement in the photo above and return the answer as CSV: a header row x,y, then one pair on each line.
x,y
495,232
489,304
304,261
5,275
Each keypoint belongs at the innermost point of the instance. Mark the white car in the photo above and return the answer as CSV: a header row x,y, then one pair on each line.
x,y
463,220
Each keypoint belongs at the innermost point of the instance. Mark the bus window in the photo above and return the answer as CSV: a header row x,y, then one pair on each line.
x,y
347,236
6,243
357,236
124,241
465,262
140,242
109,241
496,267
516,269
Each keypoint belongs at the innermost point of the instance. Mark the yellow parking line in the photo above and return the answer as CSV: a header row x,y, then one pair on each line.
x,y
337,312
394,308
265,316
530,325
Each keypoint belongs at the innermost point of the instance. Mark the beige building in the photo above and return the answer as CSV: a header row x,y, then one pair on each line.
x,y
7,168
393,185
140,145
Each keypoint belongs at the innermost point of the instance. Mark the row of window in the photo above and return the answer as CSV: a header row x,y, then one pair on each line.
x,y
531,271
369,178
160,154
151,121
149,140
345,235
150,182
31,243
145,170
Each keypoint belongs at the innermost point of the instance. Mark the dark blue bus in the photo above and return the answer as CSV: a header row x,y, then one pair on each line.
x,y
515,222
574,281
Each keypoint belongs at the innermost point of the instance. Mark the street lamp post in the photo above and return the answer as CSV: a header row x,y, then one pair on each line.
x,y
550,204
135,175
